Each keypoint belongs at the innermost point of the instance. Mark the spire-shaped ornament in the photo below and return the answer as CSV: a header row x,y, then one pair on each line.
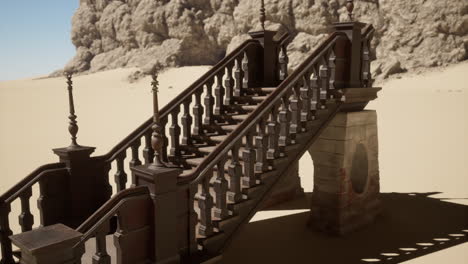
x,y
350,8
73,124
156,138
262,14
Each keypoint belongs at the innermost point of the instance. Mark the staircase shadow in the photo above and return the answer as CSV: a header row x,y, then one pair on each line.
x,y
410,226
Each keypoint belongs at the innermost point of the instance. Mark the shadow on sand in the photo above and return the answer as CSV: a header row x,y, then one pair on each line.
x,y
410,226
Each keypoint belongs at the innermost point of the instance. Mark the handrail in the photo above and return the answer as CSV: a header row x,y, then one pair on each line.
x,y
14,192
210,161
178,100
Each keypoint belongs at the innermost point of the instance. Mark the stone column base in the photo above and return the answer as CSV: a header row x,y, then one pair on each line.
x,y
346,174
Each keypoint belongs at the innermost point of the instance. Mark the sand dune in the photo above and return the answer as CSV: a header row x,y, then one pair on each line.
x,y
423,127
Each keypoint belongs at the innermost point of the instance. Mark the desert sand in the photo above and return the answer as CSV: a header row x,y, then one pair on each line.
x,y
422,122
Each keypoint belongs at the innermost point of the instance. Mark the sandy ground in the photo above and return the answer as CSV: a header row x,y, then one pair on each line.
x,y
423,130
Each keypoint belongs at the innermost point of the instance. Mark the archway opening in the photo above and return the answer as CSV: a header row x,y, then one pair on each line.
x,y
359,169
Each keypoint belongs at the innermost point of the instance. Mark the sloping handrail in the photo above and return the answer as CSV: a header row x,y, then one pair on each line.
x,y
178,100
14,192
211,160
107,210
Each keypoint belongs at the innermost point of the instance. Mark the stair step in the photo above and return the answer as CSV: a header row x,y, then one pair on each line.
x,y
229,127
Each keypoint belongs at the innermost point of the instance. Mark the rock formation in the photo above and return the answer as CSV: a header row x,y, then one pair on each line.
x,y
127,33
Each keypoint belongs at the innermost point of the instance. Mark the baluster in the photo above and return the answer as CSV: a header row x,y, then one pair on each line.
x,y
238,75
314,84
273,134
135,159
219,93
331,70
261,145
220,187
323,73
248,156
5,232
163,122
120,175
174,132
366,74
26,219
305,96
209,103
235,172
245,69
186,124
197,113
295,104
205,203
283,63
101,256
284,119
148,152
229,85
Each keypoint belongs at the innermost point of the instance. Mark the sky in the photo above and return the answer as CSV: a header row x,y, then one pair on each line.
x,y
35,37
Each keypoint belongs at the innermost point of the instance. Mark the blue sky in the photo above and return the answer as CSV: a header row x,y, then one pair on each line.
x,y
35,37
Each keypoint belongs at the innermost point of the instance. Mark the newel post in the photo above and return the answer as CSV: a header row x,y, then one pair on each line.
x,y
54,244
352,29
162,183
269,58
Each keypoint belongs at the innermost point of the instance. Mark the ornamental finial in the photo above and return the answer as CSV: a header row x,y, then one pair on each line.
x,y
156,138
262,14
73,124
350,8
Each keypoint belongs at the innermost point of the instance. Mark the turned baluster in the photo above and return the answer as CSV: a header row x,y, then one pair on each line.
x,y
323,73
295,104
5,232
163,122
283,63
219,93
148,152
135,158
26,219
366,74
220,187
101,256
174,132
209,102
261,146
229,85
314,84
235,173
186,124
273,129
248,156
331,73
197,113
120,175
245,69
305,97
285,122
205,203
239,76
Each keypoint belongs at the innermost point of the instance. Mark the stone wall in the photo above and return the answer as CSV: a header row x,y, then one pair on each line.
x,y
126,33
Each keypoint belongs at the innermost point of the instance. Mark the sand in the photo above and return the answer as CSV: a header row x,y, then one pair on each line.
x,y
422,122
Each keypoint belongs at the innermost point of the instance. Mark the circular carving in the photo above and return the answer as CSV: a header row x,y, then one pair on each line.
x,y
359,169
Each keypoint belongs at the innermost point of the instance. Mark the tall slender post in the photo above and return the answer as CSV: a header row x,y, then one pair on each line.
x,y
156,138
73,127
262,14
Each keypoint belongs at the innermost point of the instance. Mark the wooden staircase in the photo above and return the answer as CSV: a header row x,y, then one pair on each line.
x,y
242,125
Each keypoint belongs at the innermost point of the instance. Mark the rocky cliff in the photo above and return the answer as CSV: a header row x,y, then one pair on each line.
x,y
125,33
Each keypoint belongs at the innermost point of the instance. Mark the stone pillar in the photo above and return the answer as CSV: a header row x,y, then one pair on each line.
x,y
162,183
52,244
269,57
287,188
346,174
